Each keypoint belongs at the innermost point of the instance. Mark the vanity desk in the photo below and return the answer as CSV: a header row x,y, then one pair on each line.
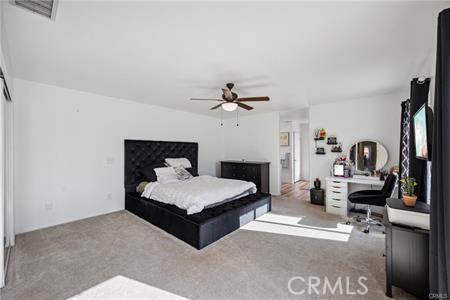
x,y
338,189
366,157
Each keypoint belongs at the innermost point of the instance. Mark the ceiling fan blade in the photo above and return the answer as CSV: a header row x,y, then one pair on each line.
x,y
216,107
248,99
244,106
206,99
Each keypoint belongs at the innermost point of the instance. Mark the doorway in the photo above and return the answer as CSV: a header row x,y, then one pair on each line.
x,y
297,156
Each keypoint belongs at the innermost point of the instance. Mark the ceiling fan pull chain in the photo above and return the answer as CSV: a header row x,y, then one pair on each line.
x,y
221,116
237,116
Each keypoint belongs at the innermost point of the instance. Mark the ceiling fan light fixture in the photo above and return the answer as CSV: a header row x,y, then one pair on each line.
x,y
229,106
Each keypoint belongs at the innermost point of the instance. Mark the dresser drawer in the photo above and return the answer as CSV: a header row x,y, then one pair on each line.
x,y
336,209
336,202
336,188
336,183
337,194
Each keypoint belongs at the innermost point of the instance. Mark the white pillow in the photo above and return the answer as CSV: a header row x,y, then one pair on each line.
x,y
166,175
176,162
182,173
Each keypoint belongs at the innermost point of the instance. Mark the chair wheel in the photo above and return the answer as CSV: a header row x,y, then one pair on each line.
x,y
358,220
384,232
348,223
380,225
366,231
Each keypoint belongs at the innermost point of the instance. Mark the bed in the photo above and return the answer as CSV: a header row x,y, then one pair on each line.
x,y
199,229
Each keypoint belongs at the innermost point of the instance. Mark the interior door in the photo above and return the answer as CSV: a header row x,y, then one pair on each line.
x,y
296,138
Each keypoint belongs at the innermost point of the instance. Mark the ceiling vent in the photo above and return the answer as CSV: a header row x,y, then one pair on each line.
x,y
46,8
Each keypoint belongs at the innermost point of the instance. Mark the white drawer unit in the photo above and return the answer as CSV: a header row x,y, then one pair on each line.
x,y
336,197
337,190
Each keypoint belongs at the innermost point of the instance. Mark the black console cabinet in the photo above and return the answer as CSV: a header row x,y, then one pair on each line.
x,y
406,258
255,171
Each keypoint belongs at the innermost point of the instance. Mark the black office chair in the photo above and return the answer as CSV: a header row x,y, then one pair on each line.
x,y
373,197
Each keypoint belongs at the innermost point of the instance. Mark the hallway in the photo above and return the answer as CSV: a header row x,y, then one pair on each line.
x,y
299,189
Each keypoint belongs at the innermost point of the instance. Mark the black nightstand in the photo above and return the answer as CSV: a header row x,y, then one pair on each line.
x,y
317,196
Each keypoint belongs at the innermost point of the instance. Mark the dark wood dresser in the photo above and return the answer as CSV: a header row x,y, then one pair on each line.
x,y
255,171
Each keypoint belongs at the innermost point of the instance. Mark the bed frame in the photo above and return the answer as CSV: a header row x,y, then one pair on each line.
x,y
198,230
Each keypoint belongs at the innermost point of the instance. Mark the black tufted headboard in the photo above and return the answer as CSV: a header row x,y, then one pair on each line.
x,y
142,153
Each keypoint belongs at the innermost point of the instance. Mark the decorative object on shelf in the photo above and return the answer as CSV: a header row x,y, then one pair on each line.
x,y
320,134
284,138
317,183
342,167
332,140
337,148
320,150
409,199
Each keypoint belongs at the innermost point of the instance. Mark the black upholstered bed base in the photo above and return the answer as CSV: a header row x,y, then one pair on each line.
x,y
201,229
198,230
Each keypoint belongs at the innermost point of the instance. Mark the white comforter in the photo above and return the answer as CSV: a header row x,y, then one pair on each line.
x,y
195,194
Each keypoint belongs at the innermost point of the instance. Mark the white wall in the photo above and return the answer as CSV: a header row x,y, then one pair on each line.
x,y
256,138
287,173
361,119
305,139
65,138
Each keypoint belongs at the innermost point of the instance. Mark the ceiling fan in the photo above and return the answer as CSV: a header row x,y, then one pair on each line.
x,y
231,101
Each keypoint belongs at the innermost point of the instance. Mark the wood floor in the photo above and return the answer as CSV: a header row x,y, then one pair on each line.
x,y
299,190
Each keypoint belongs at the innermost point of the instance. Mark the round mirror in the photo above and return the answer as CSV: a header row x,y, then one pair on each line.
x,y
368,156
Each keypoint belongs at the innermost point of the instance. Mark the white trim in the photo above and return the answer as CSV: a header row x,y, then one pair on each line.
x,y
2,189
9,174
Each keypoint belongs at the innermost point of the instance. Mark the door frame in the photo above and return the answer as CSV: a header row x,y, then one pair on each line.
x,y
7,231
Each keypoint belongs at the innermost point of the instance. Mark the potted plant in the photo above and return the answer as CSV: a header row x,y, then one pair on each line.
x,y
409,199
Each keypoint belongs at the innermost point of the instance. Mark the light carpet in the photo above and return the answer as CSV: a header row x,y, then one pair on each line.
x,y
298,239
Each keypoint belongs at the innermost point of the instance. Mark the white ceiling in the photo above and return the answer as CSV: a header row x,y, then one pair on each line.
x,y
164,53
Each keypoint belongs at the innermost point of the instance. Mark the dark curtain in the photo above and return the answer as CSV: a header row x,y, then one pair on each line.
x,y
404,143
440,180
5,86
418,167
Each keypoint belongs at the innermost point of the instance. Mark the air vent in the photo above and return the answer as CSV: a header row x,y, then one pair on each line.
x,y
46,8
